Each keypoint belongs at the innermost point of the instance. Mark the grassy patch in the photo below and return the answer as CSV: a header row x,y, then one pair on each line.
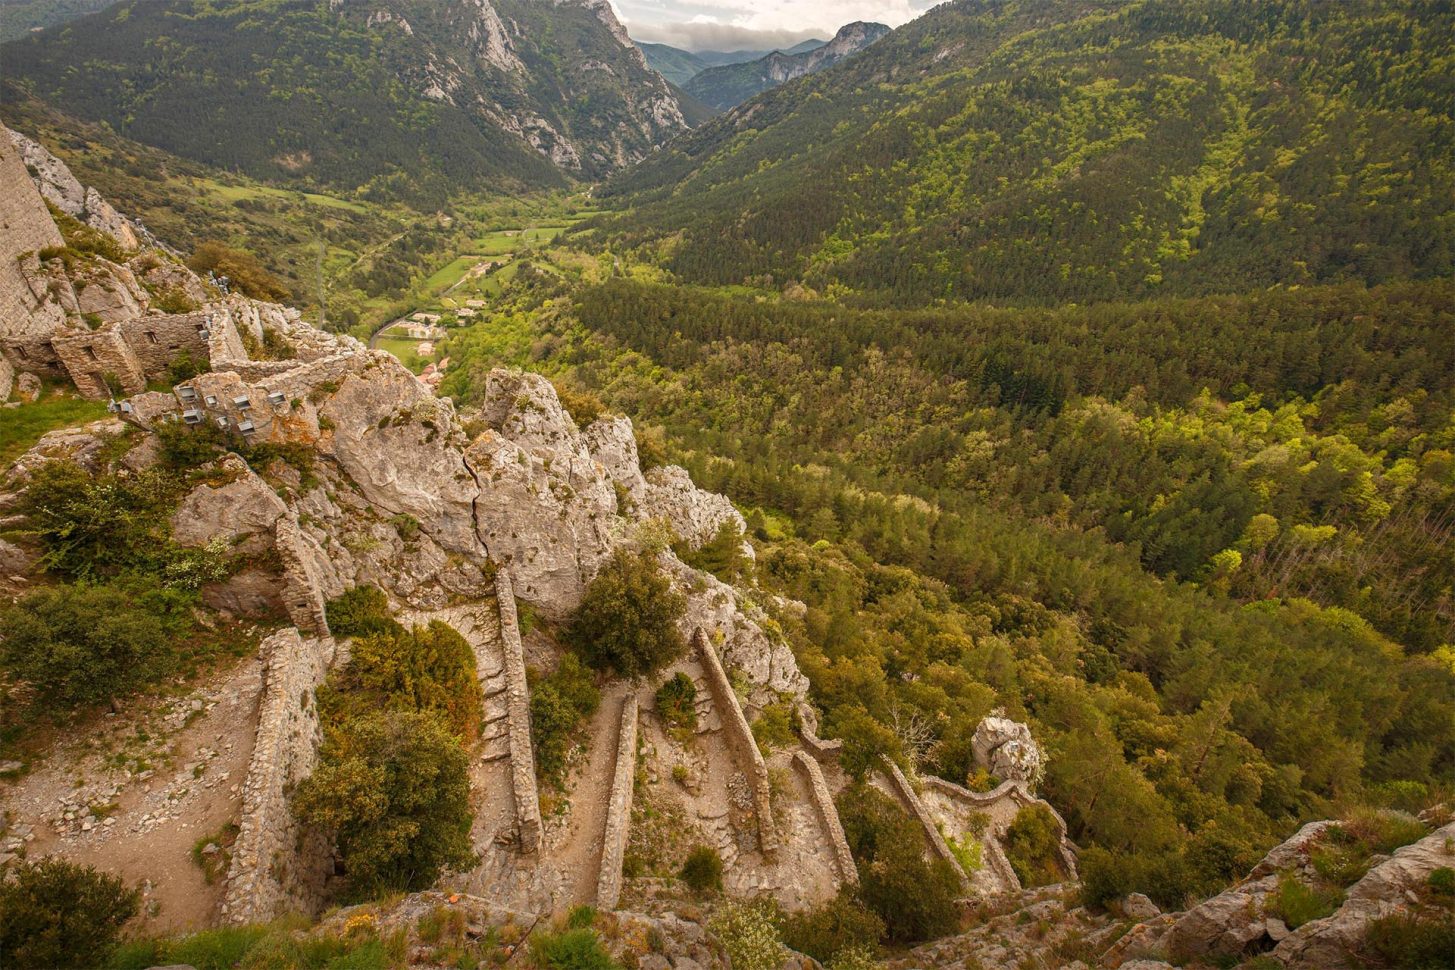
x,y
24,426
213,853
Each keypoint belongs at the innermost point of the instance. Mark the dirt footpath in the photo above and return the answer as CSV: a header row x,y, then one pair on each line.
x,y
138,793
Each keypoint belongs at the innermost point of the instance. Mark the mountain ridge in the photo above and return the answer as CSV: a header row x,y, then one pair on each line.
x,y
413,97
726,86
1159,143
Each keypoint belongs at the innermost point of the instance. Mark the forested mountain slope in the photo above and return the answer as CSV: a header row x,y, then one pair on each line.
x,y
1081,151
400,98
19,17
729,85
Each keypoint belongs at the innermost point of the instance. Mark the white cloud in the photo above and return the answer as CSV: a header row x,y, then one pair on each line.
x,y
756,24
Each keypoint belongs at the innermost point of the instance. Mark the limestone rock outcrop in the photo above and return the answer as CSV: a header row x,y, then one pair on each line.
x,y
1006,749
63,190
1385,890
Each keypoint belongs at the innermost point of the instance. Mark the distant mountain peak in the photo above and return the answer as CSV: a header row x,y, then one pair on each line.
x,y
729,85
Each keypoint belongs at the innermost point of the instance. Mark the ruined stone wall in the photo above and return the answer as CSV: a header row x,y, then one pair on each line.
x,y
740,738
224,341
93,358
275,867
302,591
1009,797
7,379
618,808
26,226
160,339
517,720
828,817
909,798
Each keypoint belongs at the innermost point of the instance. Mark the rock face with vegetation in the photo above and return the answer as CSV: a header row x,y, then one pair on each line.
x,y
729,85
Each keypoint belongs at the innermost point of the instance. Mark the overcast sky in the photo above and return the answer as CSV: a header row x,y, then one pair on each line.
x,y
754,24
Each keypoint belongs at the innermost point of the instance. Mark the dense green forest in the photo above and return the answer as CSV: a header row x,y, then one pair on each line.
x,y
1078,151
1201,543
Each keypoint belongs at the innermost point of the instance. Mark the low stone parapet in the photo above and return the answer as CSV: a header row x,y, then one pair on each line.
x,y
618,808
740,739
828,817
276,867
517,720
910,799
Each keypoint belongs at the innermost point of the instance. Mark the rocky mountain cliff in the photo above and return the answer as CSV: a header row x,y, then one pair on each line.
x,y
729,85
392,97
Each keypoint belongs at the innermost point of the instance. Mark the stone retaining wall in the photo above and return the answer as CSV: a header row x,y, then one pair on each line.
x,y
276,868
618,808
910,798
302,592
1019,795
821,748
828,816
740,738
517,720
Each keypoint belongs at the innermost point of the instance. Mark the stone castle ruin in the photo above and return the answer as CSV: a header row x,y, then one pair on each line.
x,y
96,322
460,521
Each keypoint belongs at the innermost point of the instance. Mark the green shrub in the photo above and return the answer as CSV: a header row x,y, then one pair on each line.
x,y
722,555
1442,881
773,727
87,644
1409,942
627,622
58,914
1381,831
392,787
914,895
427,669
677,701
968,851
748,931
218,949
359,612
572,949
1031,844
842,924
185,447
1296,903
703,870
94,525
558,705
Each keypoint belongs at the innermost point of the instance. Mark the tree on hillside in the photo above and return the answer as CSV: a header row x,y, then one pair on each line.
x,y
627,622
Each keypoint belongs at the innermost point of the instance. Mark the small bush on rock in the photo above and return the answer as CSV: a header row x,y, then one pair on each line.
x,y
572,949
842,926
677,701
703,870
748,931
1411,943
627,622
359,612
1297,904
58,914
